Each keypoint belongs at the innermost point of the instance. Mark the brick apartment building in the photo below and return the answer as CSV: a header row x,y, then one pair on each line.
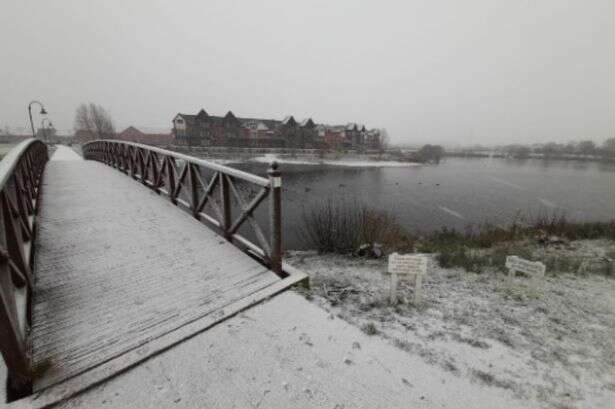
x,y
203,129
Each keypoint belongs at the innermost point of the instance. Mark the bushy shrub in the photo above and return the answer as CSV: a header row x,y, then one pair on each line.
x,y
342,226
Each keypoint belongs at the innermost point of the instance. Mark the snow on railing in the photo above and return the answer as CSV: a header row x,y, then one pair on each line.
x,y
194,183
20,176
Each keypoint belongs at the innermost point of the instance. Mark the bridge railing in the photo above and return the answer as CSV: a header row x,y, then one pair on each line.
x,y
20,176
184,180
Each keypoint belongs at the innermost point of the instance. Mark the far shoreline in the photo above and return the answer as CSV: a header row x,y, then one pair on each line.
x,y
365,163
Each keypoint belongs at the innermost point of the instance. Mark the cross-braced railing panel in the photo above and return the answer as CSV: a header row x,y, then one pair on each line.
x,y
20,175
223,197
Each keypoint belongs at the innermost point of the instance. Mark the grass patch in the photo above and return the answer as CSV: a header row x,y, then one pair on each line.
x,y
489,379
473,342
369,328
486,247
541,226
479,260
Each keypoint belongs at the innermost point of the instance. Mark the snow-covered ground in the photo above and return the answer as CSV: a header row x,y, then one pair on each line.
x,y
552,347
3,375
357,163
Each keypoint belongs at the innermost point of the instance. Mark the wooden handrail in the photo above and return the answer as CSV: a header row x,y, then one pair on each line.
x,y
20,176
170,173
239,174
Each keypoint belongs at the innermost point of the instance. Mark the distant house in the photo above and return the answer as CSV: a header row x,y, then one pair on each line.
x,y
260,128
372,139
308,134
205,129
355,135
132,134
334,136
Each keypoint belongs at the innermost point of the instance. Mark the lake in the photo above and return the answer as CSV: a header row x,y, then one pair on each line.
x,y
456,193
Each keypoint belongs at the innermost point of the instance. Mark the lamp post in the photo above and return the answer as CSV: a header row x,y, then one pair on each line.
x,y
49,125
43,112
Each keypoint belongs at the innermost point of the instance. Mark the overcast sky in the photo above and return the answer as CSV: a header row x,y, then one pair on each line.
x,y
442,71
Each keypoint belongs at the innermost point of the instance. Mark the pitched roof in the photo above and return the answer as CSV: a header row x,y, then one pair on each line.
x,y
289,120
190,119
307,123
202,114
131,130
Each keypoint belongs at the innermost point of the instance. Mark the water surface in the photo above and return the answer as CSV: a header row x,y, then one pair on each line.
x,y
456,193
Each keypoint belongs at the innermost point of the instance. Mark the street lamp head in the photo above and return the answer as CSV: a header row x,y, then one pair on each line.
x,y
43,112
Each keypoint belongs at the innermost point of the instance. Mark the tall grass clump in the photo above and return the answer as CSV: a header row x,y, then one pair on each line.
x,y
557,224
487,245
531,227
341,226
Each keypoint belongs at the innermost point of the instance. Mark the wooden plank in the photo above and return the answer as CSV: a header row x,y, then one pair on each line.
x,y
96,375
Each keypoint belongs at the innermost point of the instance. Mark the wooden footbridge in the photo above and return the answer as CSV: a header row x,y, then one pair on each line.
x,y
136,277
98,272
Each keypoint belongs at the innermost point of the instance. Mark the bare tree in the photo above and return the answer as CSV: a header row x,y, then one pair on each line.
x,y
518,151
430,153
586,147
608,147
384,139
82,119
94,120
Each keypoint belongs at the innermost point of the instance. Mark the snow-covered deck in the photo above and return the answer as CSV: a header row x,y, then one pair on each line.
x,y
122,274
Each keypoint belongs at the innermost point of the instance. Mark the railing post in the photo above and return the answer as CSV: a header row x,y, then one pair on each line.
x,y
131,161
141,165
225,197
171,175
194,194
123,158
275,217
